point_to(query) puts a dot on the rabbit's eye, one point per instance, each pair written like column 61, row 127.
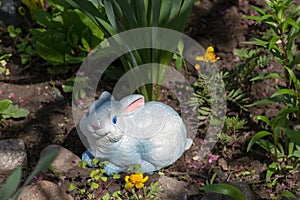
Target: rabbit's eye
column 114, row 119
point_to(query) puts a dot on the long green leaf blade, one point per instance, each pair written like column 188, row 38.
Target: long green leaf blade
column 43, row 164
column 257, row 137
column 225, row 189
column 11, row 184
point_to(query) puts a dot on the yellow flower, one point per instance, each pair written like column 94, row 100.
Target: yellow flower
column 209, row 55
column 136, row 180
column 197, row 67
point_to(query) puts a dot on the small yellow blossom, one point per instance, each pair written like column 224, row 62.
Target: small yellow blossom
column 7, row 72
column 209, row 55
column 136, row 180
column 197, row 67
column 3, row 63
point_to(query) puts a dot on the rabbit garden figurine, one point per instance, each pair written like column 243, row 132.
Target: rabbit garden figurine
column 129, row 132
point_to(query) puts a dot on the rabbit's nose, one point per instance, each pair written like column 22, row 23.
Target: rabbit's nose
column 96, row 127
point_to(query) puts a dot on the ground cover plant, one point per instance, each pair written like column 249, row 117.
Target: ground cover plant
column 255, row 44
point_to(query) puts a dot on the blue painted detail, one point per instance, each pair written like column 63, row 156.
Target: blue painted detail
column 114, row 120
column 88, row 158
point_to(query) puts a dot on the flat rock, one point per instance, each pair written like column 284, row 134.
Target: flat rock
column 65, row 160
column 172, row 188
column 12, row 155
column 43, row 190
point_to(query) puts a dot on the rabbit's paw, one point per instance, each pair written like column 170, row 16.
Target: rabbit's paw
column 88, row 158
column 147, row 167
column 111, row 169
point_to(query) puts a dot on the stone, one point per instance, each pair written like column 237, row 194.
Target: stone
column 43, row 190
column 172, row 188
column 65, row 160
column 12, row 155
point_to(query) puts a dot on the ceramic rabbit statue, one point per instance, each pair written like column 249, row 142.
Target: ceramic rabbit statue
column 129, row 131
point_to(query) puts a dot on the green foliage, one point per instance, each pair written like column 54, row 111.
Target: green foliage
column 65, row 37
column 203, row 99
column 96, row 185
column 9, row 110
column 9, row 190
column 281, row 137
column 232, row 124
column 96, row 178
column 3, row 62
column 153, row 191
column 125, row 15
column 212, row 179
column 226, row 189
column 23, row 45
column 13, row 32
column 249, row 60
column 80, row 93
column 178, row 57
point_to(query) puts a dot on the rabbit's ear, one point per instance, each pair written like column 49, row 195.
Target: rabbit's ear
column 105, row 96
column 133, row 103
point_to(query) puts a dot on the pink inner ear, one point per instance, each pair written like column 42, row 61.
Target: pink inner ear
column 135, row 105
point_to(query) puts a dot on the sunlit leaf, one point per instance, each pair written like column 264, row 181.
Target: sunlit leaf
column 264, row 119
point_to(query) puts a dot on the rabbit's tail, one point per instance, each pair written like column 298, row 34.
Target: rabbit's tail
column 188, row 143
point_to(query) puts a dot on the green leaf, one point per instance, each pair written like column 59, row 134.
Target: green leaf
column 43, row 18
column 72, row 187
column 255, row 18
column 271, row 170
column 93, row 13
column 293, row 135
column 94, row 186
column 265, row 144
column 267, row 101
column 19, row 113
column 284, row 92
column 4, row 105
column 116, row 176
column 178, row 63
column 11, row 184
column 289, row 195
column 2, row 70
column 94, row 173
column 67, row 88
column 52, row 48
column 43, row 164
column 294, row 12
column 257, row 42
column 225, row 189
column 264, row 119
column 296, row 154
column 291, row 22
column 257, row 137
column 273, row 41
column 96, row 31
column 104, row 178
column 259, row 10
column 265, row 76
